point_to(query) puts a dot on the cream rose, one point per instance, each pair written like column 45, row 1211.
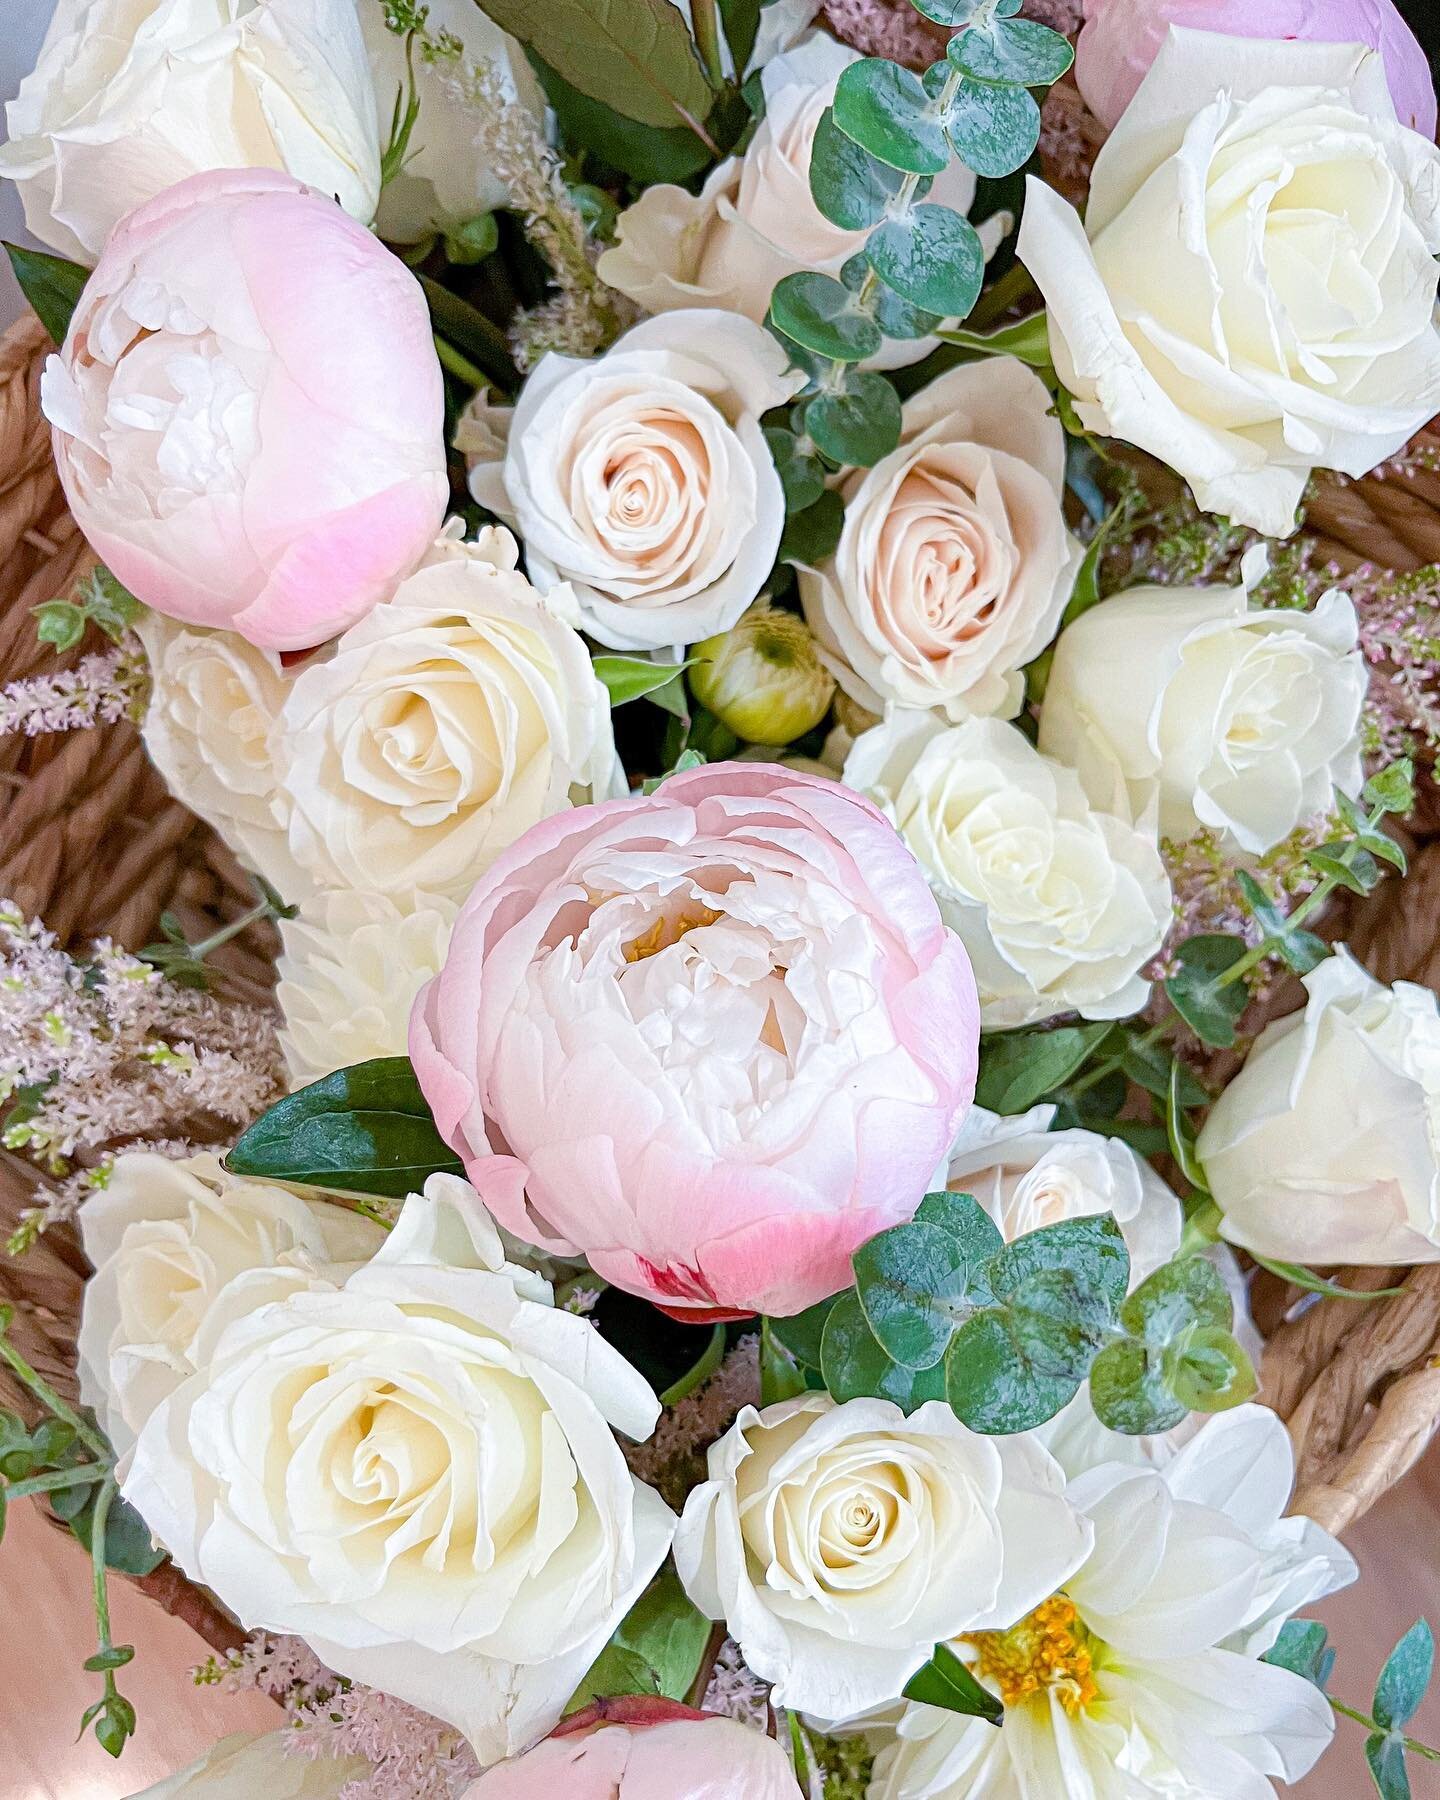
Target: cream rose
column 414, row 1469
column 754, row 221
column 840, row 1544
column 642, row 478
column 131, row 96
column 1213, row 711
column 243, row 1766
column 1060, row 906
column 165, row 1238
column 1027, row 1176
column 1324, row 1146
column 1255, row 298
column 955, row 562
column 213, row 703
column 350, row 966
column 441, row 727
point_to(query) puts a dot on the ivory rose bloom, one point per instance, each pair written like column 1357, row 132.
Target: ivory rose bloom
column 713, row 1038
column 214, row 700
column 248, row 410
column 165, row 1238
column 131, row 96
column 1324, row 1145
column 642, row 478
column 243, row 1766
column 754, row 221
column 955, row 562
column 1213, row 712
column 644, row 1749
column 1027, row 1176
column 1143, row 1677
column 1256, row 296
column 414, row 1469
column 349, row 968
column 1060, row 905
column 840, row 1544
column 1122, row 38
column 441, row 727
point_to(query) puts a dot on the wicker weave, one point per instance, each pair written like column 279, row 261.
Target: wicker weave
column 91, row 842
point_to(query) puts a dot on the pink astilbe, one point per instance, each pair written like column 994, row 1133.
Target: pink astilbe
column 673, row 1459
column 736, row 1692
column 102, row 688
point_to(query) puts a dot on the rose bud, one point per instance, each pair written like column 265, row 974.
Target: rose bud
column 764, row 679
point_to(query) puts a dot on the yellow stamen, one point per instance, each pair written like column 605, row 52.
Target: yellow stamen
column 668, row 929
column 1049, row 1650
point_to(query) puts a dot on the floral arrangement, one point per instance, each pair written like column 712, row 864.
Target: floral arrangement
column 768, row 669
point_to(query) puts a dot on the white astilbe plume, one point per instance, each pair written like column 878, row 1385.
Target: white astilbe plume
column 102, row 688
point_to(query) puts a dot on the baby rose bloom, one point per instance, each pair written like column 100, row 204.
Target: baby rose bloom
column 718, row 1033
column 1122, row 38
column 644, row 1749
column 248, row 410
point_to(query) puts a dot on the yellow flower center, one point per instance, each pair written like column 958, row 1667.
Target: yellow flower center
column 668, row 929
column 1049, row 1650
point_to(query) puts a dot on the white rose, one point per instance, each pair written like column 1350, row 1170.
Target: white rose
column 1323, row 1147
column 131, row 96
column 350, row 965
column 245, row 1765
column 1215, row 712
column 165, row 1238
column 414, row 1469
column 840, row 1544
column 954, row 563
column 1060, row 906
column 642, row 477
column 213, row 703
column 441, row 727
column 754, row 221
column 445, row 179
column 1255, row 299
column 1027, row 1176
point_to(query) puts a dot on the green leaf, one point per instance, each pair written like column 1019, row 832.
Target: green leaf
column 897, row 318
column 1091, row 1250
column 963, row 1218
column 51, row 285
column 781, row 1377
column 915, row 1283
column 467, row 328
column 656, row 1648
column 810, row 536
column 110, row 1732
column 945, row 1681
column 741, row 19
column 954, row 13
column 115, row 1657
column 1301, row 1277
column 60, row 623
column 801, row 475
column 1210, row 1011
column 851, row 189
column 1346, row 865
column 50, row 1440
column 1392, row 787
column 472, row 241
column 646, row 153
column 635, row 55
column 69, row 1503
column 1152, row 1067
column 802, row 1333
column 1405, row 1678
column 1300, row 950
column 699, row 1371
column 993, row 130
column 887, row 112
column 1011, row 50
column 990, row 1384
column 855, row 1364
column 1180, row 1135
column 820, row 314
column 1017, row 1068
column 1027, row 342
column 1128, row 1391
column 858, row 424
column 1178, row 1296
column 630, row 678
column 1386, row 1759
column 932, row 257
column 1207, row 1371
column 1301, row 1648
column 129, row 1549
column 366, row 1129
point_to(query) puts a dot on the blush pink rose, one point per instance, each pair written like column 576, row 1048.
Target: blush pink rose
column 713, row 1039
column 248, row 411
column 644, row 1749
column 1121, row 39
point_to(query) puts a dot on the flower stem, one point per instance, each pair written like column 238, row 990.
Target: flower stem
column 43, row 1392
column 459, row 366
column 706, row 24
column 263, row 909
column 1413, row 1745
column 84, row 1476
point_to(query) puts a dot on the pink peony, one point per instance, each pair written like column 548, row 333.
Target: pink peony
column 1122, row 37
column 644, row 1749
column 713, row 1039
column 248, row 410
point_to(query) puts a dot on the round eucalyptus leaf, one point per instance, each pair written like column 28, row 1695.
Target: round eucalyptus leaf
column 951, row 12
column 858, row 425
column 886, row 110
column 933, row 258
column 801, row 475
column 821, row 315
column 1012, row 51
column 1129, row 1393
column 810, row 536
column 897, row 318
column 846, row 182
column 993, row 130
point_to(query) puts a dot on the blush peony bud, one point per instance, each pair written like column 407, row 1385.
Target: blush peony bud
column 644, row 1749
column 764, row 679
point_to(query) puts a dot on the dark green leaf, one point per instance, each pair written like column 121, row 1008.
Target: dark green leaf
column 69, row 1503
column 699, row 1371
column 915, row 1283
column 820, row 314
column 656, row 1648
column 887, row 112
column 629, row 678
column 802, row 1333
column 993, row 130
column 781, row 1376
column 115, row 1657
column 1128, row 1391
column 128, row 1546
column 1007, row 50
column 812, row 535
column 1152, row 1067
column 897, row 318
column 646, row 153
column 1180, row 1135
column 932, row 257
column 1405, row 1678
column 366, row 1129
column 1091, row 1250
column 472, row 241
column 1207, row 1371
column 51, row 285
column 858, row 424
column 742, row 21
column 954, row 13
column 846, row 183
column 110, row 1732
column 467, row 328
column 962, row 1217
column 1017, row 1068
column 855, row 1365
column 50, row 1440
column 1386, row 1759
column 1346, row 865
column 1301, row 1648
column 991, row 1386
column 1179, row 1295
column 802, row 475
column 1209, row 1010
column 945, row 1681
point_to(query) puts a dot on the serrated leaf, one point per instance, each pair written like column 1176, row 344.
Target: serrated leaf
column 820, row 314
column 932, row 257
column 810, row 536
column 1011, row 50
column 990, row 1386
column 945, row 1681
column 1405, row 1677
column 628, row 678
column 1129, row 1394
column 856, row 425
column 1017, row 1068
column 51, row 284
column 848, row 185
column 887, row 112
column 855, row 1364
column 1210, row 1011
column 1207, row 1371
column 993, row 130
column 1181, row 1294
column 1385, row 1757
column 915, row 1282
column 635, row 55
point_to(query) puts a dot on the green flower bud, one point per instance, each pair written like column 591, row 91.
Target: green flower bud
column 763, row 678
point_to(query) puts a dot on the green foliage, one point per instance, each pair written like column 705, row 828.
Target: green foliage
column 821, row 315
column 1405, row 1678
column 1209, row 1006
column 1011, row 53
column 1302, row 1649
column 945, row 1681
column 98, row 599
column 857, row 422
column 994, row 130
column 51, row 284
column 1019, row 1068
column 810, row 536
column 850, row 188
column 931, row 257
column 887, row 112
column 854, row 1363
column 801, row 472
column 628, row 678
column 656, row 1649
column 646, row 153
column 367, row 1129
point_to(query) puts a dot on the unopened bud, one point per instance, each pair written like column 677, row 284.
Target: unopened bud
column 764, row 678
